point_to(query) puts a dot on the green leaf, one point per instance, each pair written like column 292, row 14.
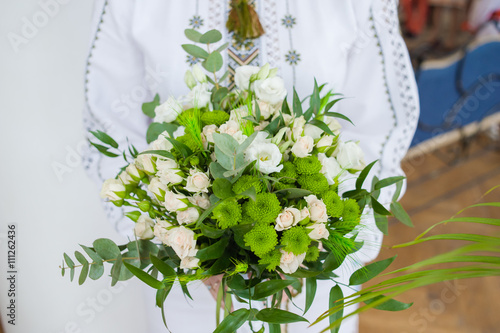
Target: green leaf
column 193, row 35
column 220, row 49
column 211, row 36
column 285, row 109
column 219, row 265
column 222, row 188
column 336, row 297
column 104, row 150
column 368, row 272
column 206, row 213
column 216, row 170
column 293, row 193
column 382, row 223
column 274, row 328
column 297, row 104
column 83, row 274
column 321, row 125
column 162, row 153
column 364, row 173
column 213, row 251
column 155, row 129
column 332, row 103
column 379, row 208
column 81, row 258
column 226, row 143
column 149, row 108
column 96, row 271
column 311, row 286
column 248, row 141
column 144, row 277
column 387, row 182
column 161, row 295
column 390, row 304
column 277, row 316
column 303, row 273
column 106, row 248
column 116, row 270
column 233, row 321
column 134, row 216
column 400, row 213
column 104, row 138
column 214, row 62
column 332, row 262
column 250, row 192
column 68, row 260
column 338, row 115
column 397, row 193
column 211, row 232
column 182, row 148
column 162, row 266
column 237, row 282
column 271, row 287
column 195, row 51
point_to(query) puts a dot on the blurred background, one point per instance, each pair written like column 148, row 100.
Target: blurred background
column 454, row 160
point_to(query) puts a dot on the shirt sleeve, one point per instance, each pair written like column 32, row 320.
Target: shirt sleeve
column 115, row 89
column 382, row 102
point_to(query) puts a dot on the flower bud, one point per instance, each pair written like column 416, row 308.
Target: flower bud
column 199, row 74
column 144, row 206
column 263, row 72
column 144, row 227
column 135, row 173
column 189, row 79
column 113, row 189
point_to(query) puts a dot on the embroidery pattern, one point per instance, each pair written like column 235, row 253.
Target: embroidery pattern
column 196, row 22
column 292, row 57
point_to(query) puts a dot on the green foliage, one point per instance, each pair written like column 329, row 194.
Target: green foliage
column 316, row 183
column 213, row 251
column 155, row 129
column 312, row 254
column 271, row 260
column 368, row 272
column 333, row 202
column 222, row 188
column 336, row 300
column 295, row 240
column 307, row 165
column 288, row 174
column 264, row 209
column 227, row 213
column 351, row 212
column 216, row 117
column 149, row 108
column 245, row 182
column 261, row 239
column 277, row 316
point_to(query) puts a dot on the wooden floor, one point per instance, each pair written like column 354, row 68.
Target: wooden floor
column 439, row 186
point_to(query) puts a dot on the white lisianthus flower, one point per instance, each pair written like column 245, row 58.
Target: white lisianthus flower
column 289, row 262
column 350, row 156
column 201, row 200
column 288, row 218
column 168, row 111
column 125, row 178
column 145, row 163
column 318, row 231
column 158, row 188
column 325, row 141
column 181, row 240
column 199, row 96
column 166, row 164
column 239, row 113
column 169, row 176
column 303, row 146
column 267, row 110
column 197, row 181
column 144, row 227
column 180, row 131
column 134, row 172
column 317, row 209
column 187, row 216
column 174, row 201
column 271, row 90
column 298, row 127
column 161, row 229
column 189, row 263
column 113, row 189
column 161, row 143
column 242, row 76
column 267, row 155
column 199, row 74
column 331, row 168
column 209, row 131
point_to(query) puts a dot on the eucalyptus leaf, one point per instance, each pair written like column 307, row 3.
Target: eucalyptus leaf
column 83, row 274
column 106, row 248
column 211, row 36
column 214, row 62
column 155, row 129
column 195, row 51
column 115, row 270
column 193, row 35
column 149, row 108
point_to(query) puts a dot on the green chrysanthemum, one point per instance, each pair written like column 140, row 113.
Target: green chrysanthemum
column 216, row 117
column 307, row 165
column 245, row 182
column 188, row 140
column 265, row 208
column 333, row 202
column 351, row 212
column 261, row 239
column 288, row 174
column 312, row 254
column 316, row 183
column 283, row 186
column 271, row 259
column 227, row 213
column 295, row 240
column 245, row 218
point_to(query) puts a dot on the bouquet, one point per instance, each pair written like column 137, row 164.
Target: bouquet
column 243, row 185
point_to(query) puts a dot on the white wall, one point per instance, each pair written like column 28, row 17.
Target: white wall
column 41, row 99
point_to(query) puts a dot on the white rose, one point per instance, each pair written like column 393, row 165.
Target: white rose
column 288, row 218
column 169, row 176
column 298, row 127
column 288, row 119
column 261, row 126
column 158, row 188
column 239, row 113
column 313, row 131
column 267, row 155
column 161, row 230
column 187, row 216
column 333, row 124
column 113, row 189
column 199, row 74
column 145, row 163
column 266, row 110
column 125, row 178
column 331, row 168
column 318, row 231
column 197, row 181
column 134, row 172
column 201, row 200
column 230, row 127
column 166, row 164
column 325, row 141
column 289, row 262
column 144, row 227
column 209, row 131
column 181, row 240
column 242, row 76
column 174, row 202
column 161, row 143
column 305, row 214
column 271, row 90
column 350, row 156
column 317, row 209
column 303, row 147
column 168, row 111
column 199, row 96
column 189, row 263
